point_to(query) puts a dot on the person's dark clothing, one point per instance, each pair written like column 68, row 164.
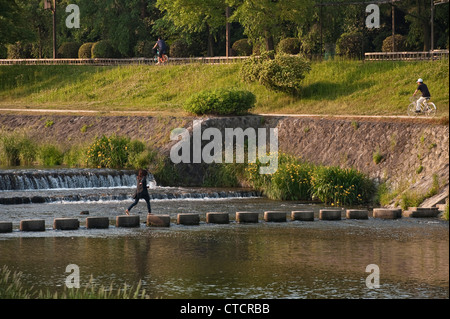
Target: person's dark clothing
column 161, row 47
column 141, row 192
column 424, row 89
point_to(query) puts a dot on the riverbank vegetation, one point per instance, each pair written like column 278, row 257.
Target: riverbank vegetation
column 12, row 286
column 333, row 87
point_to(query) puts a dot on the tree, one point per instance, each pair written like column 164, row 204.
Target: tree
column 265, row 19
column 196, row 16
column 13, row 25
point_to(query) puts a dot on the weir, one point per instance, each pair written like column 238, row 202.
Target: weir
column 13, row 180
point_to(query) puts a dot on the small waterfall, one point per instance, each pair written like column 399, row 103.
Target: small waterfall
column 21, row 180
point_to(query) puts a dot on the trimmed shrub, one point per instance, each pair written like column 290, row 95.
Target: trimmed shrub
column 220, row 102
column 400, row 43
column 289, row 46
column 242, row 47
column 84, row 52
column 179, row 49
column 102, row 49
column 68, row 50
column 349, row 44
column 19, row 50
column 251, row 68
column 284, row 73
column 144, row 49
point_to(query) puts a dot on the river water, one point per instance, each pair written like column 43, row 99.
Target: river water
column 294, row 259
column 319, row 259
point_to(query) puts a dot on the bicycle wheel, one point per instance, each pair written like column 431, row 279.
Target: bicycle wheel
column 431, row 109
column 412, row 109
column 165, row 58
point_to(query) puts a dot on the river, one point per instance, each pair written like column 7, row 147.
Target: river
column 290, row 260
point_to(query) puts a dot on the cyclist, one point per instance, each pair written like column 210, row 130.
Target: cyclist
column 161, row 44
column 422, row 87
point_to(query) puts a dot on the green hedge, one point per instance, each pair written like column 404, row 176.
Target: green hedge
column 68, row 50
column 220, row 102
column 103, row 49
column 242, row 47
column 349, row 44
column 84, row 52
column 289, row 46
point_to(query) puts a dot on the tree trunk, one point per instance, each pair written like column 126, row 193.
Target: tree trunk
column 210, row 44
column 268, row 38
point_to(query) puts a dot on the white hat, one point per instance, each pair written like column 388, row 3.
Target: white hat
column 420, row 80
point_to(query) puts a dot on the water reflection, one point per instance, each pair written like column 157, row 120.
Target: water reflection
column 320, row 259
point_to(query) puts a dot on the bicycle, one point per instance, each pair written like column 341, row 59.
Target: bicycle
column 428, row 110
column 164, row 58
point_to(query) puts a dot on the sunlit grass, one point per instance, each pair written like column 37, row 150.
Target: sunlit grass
column 336, row 87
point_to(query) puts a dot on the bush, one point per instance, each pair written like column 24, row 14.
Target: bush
column 68, row 50
column 337, row 186
column 400, row 43
column 144, row 49
column 284, row 73
column 50, row 155
column 251, row 68
column 102, row 49
column 220, row 102
column 349, row 44
column 108, row 152
column 289, row 46
column 179, row 49
column 84, row 52
column 19, row 50
column 16, row 149
column 242, row 47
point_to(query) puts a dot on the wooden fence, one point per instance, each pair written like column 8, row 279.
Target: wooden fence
column 406, row 56
column 147, row 61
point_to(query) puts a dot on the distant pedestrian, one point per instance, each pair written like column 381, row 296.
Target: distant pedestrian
column 141, row 191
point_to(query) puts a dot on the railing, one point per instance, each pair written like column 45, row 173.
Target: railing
column 406, row 56
column 204, row 60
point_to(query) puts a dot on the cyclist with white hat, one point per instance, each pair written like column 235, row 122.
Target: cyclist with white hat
column 422, row 87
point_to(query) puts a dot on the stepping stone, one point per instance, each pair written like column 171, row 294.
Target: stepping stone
column 421, row 212
column 217, row 218
column 387, row 213
column 188, row 219
column 330, row 214
column 357, row 214
column 247, row 217
column 158, row 220
column 66, row 223
column 97, row 222
column 32, row 225
column 274, row 216
column 303, row 215
column 6, row 227
column 127, row 221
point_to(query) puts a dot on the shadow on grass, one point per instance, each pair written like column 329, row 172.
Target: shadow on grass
column 324, row 90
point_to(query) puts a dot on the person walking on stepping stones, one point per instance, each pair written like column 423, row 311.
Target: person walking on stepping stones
column 141, row 191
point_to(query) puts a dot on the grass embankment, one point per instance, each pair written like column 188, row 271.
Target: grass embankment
column 336, row 87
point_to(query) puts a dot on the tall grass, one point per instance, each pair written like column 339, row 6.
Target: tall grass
column 332, row 87
column 12, row 287
column 297, row 180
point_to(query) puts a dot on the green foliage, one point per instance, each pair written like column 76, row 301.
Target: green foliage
column 338, row 186
column 279, row 72
column 220, row 101
column 242, row 48
column 285, row 73
column 289, row 46
column 108, row 152
column 179, row 49
column 12, row 287
column 144, row 49
column 50, row 155
column 349, row 44
column 297, row 180
column 68, row 50
column 85, row 50
column 19, row 50
column 102, row 49
column 17, row 149
column 377, row 156
column 400, row 43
